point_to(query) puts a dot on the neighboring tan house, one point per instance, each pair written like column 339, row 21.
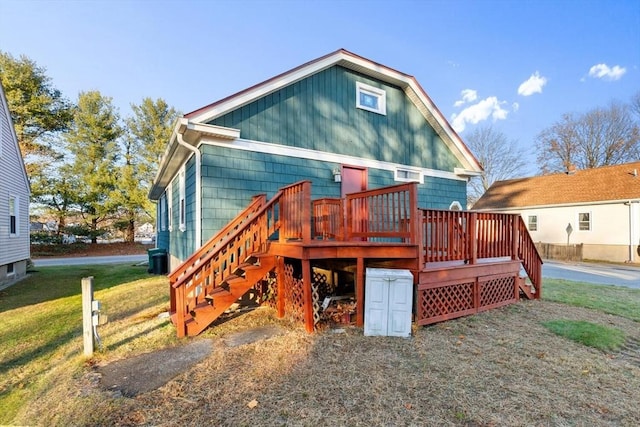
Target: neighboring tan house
column 14, row 202
column 341, row 121
column 598, row 208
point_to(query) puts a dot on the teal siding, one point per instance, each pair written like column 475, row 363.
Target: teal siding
column 230, row 178
column 319, row 113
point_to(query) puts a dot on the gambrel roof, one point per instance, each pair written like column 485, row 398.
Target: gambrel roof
column 617, row 183
column 195, row 123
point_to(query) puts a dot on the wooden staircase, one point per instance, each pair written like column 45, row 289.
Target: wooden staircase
column 232, row 288
column 234, row 260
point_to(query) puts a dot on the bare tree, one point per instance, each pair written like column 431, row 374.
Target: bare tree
column 500, row 158
column 600, row 137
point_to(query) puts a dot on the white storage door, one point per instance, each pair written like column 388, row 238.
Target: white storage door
column 388, row 302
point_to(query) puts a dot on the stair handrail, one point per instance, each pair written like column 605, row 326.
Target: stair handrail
column 529, row 256
column 180, row 302
column 217, row 239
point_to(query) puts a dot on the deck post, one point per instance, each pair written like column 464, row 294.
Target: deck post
column 360, row 292
column 280, row 285
column 306, row 211
column 181, row 328
column 516, row 237
column 306, row 295
column 472, row 239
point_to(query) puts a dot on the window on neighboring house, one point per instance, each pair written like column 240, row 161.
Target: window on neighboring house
column 170, row 206
column 13, row 216
column 10, row 269
column 532, row 223
column 584, row 221
column 371, row 98
column 162, row 213
column 408, row 175
column 183, row 222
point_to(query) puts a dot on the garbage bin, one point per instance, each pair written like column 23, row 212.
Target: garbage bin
column 152, row 253
column 160, row 263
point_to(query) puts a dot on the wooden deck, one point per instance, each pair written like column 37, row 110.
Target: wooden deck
column 462, row 262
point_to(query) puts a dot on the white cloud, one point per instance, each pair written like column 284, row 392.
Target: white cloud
column 468, row 95
column 534, row 84
column 489, row 107
column 602, row 71
column 515, row 106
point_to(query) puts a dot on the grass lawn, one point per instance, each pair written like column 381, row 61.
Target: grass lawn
column 501, row 367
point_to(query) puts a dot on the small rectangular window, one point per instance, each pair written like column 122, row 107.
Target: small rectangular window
column 408, row 175
column 584, row 221
column 10, row 269
column 162, row 213
column 371, row 98
column 182, row 207
column 13, row 215
column 532, row 223
column 170, row 206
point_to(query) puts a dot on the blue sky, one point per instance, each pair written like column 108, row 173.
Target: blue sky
column 518, row 65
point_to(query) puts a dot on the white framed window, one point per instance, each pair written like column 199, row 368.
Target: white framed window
column 14, row 209
column 170, row 206
column 10, row 269
column 371, row 98
column 584, row 221
column 408, row 175
column 183, row 213
column 162, row 213
column 532, row 222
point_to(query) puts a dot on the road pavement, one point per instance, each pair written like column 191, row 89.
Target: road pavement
column 603, row 274
column 88, row 260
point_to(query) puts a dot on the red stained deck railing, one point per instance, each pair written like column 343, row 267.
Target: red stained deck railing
column 384, row 214
column 328, row 219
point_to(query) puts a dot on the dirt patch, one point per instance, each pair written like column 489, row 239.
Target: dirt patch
column 149, row 371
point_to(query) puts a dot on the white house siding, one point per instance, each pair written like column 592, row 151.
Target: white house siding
column 614, row 234
column 14, row 249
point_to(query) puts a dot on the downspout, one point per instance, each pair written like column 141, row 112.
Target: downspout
column 198, row 158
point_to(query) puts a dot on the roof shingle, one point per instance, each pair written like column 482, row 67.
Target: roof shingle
column 617, row 182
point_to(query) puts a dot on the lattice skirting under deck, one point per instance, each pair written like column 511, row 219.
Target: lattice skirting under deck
column 437, row 302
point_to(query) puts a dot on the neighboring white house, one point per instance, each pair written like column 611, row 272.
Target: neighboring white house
column 14, row 202
column 599, row 208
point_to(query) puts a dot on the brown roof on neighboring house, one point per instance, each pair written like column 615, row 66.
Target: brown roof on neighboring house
column 618, row 182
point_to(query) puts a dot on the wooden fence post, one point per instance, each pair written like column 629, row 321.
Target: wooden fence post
column 87, row 315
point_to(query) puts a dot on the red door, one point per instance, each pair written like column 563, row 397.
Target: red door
column 354, row 179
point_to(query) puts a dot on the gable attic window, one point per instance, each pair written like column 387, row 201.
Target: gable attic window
column 13, row 216
column 371, row 98
column 183, row 222
column 408, row 175
column 584, row 221
column 532, row 222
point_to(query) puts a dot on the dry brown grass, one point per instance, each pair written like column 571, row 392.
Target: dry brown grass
column 497, row 368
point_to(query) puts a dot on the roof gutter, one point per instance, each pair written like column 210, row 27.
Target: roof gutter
column 198, row 159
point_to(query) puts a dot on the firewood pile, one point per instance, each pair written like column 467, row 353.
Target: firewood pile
column 342, row 311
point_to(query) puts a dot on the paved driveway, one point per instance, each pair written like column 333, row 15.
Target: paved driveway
column 605, row 274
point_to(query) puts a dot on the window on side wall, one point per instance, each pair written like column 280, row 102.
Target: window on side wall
column 584, row 221
column 371, row 98
column 170, row 206
column 532, row 222
column 162, row 212
column 183, row 222
column 13, row 216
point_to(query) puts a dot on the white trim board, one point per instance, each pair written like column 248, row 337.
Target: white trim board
column 305, row 153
